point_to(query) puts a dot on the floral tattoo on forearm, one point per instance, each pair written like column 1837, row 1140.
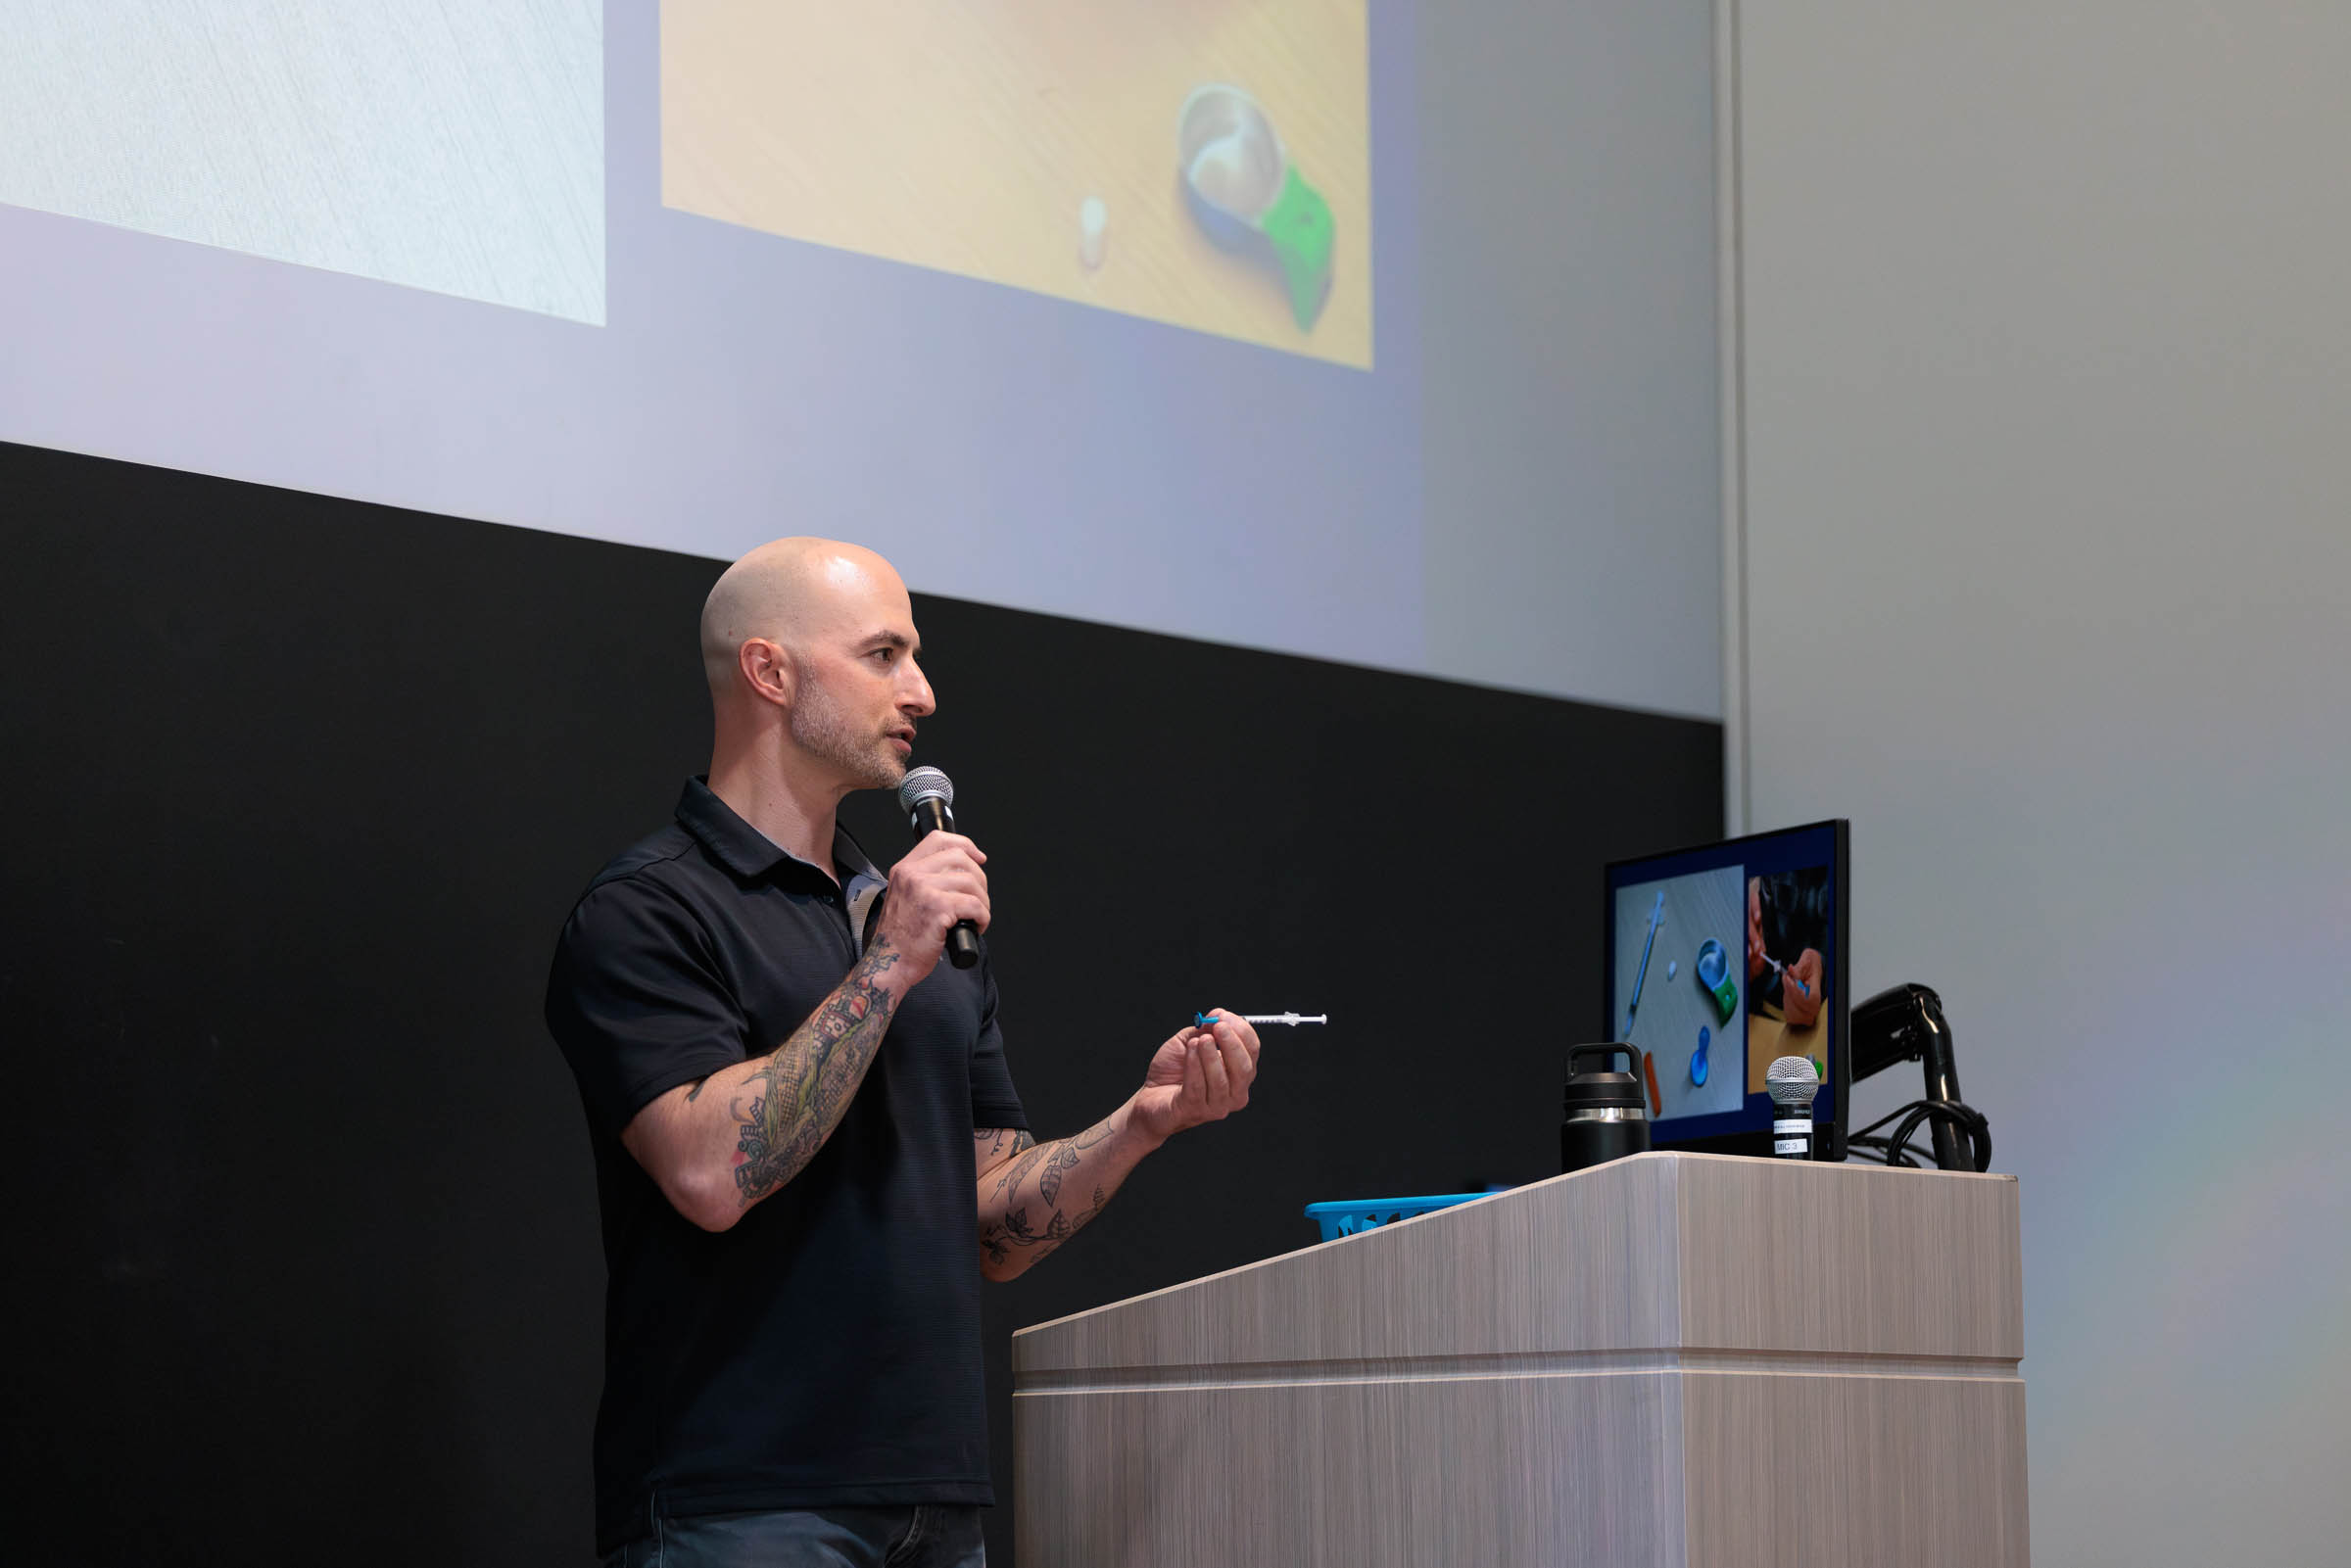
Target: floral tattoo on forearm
column 799, row 1093
column 1007, row 1223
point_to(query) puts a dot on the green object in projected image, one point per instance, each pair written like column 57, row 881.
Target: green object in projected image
column 963, row 135
column 1249, row 198
column 1715, row 976
column 1300, row 229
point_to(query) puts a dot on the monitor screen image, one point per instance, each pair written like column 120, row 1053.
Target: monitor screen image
column 1721, row 959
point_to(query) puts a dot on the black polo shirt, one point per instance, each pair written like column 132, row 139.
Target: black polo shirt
column 825, row 1351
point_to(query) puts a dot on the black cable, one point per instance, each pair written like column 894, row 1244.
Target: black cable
column 1898, row 1149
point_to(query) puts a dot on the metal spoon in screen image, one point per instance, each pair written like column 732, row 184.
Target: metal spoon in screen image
column 1246, row 195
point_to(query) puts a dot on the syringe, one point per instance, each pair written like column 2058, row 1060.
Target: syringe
column 1781, row 970
column 1203, row 1020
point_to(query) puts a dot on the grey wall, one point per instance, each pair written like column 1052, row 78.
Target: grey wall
column 2049, row 588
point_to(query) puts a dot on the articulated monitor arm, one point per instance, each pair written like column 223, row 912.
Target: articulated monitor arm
column 1906, row 1025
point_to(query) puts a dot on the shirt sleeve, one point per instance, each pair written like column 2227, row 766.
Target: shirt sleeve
column 994, row 1101
column 637, row 1002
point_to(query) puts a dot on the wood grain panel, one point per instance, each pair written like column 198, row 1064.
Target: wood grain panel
column 1787, row 1255
column 1674, row 1359
column 1823, row 1472
column 1534, row 1470
column 1704, row 1251
column 1585, row 1262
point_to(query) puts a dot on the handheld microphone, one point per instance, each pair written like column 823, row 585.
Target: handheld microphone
column 1792, row 1081
column 925, row 795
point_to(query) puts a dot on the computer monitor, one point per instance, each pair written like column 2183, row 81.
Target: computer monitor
column 1719, row 960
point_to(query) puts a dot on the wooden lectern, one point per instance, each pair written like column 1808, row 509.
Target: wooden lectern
column 1684, row 1359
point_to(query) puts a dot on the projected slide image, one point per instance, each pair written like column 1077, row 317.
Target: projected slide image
column 1678, row 991
column 1786, row 933
column 1204, row 164
column 453, row 147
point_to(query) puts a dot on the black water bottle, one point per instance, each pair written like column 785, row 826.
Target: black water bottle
column 1605, row 1114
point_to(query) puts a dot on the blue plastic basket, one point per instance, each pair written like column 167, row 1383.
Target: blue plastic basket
column 1347, row 1218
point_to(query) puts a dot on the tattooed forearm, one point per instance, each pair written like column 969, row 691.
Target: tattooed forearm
column 991, row 1145
column 1032, row 1204
column 789, row 1105
column 1013, row 1231
column 1058, row 1163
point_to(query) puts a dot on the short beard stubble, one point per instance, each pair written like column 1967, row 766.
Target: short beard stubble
column 819, row 728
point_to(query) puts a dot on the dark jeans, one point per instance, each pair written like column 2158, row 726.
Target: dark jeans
column 931, row 1535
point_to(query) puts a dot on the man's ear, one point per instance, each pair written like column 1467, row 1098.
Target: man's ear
column 767, row 669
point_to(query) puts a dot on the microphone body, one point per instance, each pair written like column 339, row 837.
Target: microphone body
column 929, row 801
column 1793, row 1082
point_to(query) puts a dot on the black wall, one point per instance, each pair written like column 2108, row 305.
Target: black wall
column 297, row 792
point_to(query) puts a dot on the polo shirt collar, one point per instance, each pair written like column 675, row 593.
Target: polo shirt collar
column 746, row 851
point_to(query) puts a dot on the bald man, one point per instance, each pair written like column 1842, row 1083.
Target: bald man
column 808, row 1147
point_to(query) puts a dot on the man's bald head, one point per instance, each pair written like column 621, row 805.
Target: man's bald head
column 790, row 591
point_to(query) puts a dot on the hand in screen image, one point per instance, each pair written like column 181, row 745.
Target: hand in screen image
column 1787, row 922
column 1800, row 999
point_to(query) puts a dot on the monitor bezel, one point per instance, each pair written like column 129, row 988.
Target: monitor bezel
column 1753, row 1137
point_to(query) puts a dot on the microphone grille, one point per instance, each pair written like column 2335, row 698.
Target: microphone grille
column 1793, row 1080
column 925, row 784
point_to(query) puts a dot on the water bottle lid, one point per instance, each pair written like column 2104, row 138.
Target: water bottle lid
column 1607, row 1089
